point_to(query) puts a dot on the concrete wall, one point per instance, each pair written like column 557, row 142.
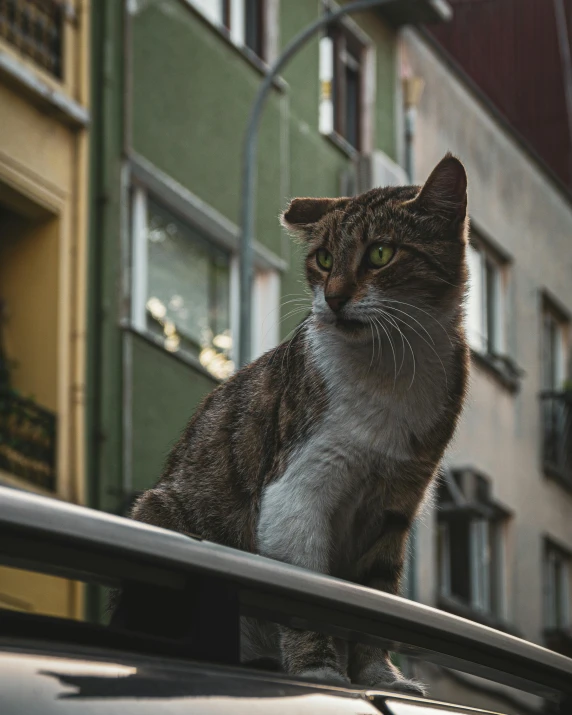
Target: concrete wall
column 514, row 204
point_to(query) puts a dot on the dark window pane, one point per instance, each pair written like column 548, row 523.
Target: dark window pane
column 253, row 38
column 459, row 540
column 492, row 298
column 36, row 30
column 352, row 106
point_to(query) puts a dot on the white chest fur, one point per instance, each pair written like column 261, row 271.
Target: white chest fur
column 368, row 419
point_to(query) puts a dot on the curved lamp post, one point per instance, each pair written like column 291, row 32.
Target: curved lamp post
column 249, row 161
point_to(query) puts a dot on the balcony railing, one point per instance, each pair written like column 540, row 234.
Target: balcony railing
column 27, row 440
column 557, row 434
column 36, row 29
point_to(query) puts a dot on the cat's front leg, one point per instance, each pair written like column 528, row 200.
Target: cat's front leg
column 373, row 668
column 294, row 527
column 313, row 656
column 381, row 568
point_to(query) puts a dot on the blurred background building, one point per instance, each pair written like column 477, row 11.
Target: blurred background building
column 124, row 288
column 44, row 147
column 496, row 545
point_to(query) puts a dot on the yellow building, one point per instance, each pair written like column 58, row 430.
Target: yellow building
column 44, row 118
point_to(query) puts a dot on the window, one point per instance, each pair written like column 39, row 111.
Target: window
column 29, row 254
column 344, row 104
column 554, row 348
column 471, row 547
column 556, row 588
column 486, row 300
column 244, row 20
column 556, row 397
column 185, row 289
column 36, row 30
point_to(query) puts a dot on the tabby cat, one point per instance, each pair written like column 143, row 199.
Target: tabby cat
column 321, row 452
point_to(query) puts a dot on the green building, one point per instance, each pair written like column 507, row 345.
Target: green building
column 173, row 82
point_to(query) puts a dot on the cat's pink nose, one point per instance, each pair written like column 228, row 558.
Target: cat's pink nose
column 337, row 302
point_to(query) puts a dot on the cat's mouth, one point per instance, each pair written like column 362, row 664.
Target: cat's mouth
column 350, row 324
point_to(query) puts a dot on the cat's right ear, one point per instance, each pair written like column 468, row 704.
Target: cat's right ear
column 302, row 214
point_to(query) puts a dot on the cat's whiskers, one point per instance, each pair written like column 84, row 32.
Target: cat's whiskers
column 287, row 351
column 453, row 285
column 394, row 324
column 416, row 307
column 424, row 340
column 370, row 321
column 392, row 350
column 299, row 309
column 388, row 307
column 386, row 316
column 378, row 339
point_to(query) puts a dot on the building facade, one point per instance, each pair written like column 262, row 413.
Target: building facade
column 496, row 544
column 44, row 117
column 173, row 86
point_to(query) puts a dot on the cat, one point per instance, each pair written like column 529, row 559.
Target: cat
column 321, row 452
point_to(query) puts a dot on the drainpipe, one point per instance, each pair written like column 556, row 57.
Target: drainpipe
column 249, row 161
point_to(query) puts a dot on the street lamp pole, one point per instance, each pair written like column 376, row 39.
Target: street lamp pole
column 249, row 163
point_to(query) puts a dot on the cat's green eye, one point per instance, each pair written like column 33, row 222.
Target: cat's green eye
column 324, row 259
column 379, row 255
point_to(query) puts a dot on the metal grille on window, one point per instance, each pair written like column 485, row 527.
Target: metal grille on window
column 35, row 28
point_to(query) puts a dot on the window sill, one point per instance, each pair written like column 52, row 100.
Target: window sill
column 185, row 358
column 502, row 368
column 10, row 480
column 63, row 107
column 458, row 608
column 247, row 54
column 341, row 144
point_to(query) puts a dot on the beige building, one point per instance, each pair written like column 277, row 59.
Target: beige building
column 496, row 546
column 44, row 98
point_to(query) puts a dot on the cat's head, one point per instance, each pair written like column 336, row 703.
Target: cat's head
column 388, row 246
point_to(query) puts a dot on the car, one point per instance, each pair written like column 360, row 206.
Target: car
column 177, row 651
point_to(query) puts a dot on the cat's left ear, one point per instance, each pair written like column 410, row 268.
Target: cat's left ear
column 302, row 214
column 445, row 191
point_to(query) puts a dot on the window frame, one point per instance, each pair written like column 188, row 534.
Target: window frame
column 552, row 553
column 487, row 541
column 73, row 32
column 231, row 19
column 561, row 365
column 487, row 331
column 344, row 44
column 266, row 284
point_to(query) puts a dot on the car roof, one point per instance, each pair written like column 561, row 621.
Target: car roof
column 54, row 679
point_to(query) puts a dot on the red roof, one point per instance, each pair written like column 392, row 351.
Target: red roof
column 509, row 48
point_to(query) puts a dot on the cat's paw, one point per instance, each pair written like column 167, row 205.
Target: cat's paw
column 326, row 675
column 403, row 685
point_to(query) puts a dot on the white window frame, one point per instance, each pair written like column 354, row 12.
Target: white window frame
column 480, row 260
column 212, row 10
column 326, row 71
column 266, row 284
